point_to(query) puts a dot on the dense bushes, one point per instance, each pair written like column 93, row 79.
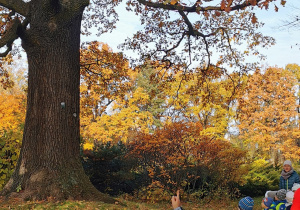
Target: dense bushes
column 262, row 176
column 109, row 170
column 155, row 165
column 10, row 144
column 178, row 157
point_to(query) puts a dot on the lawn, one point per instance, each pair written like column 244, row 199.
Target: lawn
column 125, row 205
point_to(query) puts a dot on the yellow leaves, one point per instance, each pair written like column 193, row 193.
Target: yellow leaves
column 105, row 47
column 118, row 126
column 12, row 111
column 173, row 2
column 12, row 117
column 88, row 146
column 139, row 96
column 105, row 76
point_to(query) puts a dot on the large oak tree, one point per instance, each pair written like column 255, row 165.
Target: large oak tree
column 49, row 163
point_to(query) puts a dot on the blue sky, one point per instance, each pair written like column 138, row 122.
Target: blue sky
column 282, row 53
column 285, row 50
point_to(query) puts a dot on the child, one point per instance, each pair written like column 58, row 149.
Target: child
column 295, row 187
column 289, row 200
column 246, row 203
column 267, row 202
column 279, row 201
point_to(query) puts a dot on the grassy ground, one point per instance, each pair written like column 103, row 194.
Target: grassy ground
column 124, row 205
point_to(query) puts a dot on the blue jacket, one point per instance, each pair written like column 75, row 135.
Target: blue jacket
column 278, row 205
column 288, row 183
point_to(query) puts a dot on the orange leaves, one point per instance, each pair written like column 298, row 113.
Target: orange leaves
column 226, row 5
column 176, row 154
column 268, row 113
column 217, row 13
column 173, row 2
column 254, row 19
column 252, row 2
column 104, row 76
column 223, row 5
column 160, row 24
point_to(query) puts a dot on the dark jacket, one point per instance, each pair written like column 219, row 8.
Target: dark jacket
column 278, row 205
column 288, row 183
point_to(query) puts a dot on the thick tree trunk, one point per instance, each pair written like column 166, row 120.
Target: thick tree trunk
column 49, row 165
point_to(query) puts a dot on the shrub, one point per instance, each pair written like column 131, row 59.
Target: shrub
column 262, row 176
column 109, row 170
column 10, row 144
column 177, row 156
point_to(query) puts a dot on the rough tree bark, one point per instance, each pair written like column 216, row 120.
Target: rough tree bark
column 49, row 165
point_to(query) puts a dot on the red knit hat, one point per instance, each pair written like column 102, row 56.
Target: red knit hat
column 296, row 201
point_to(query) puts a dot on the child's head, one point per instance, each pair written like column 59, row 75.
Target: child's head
column 246, row 203
column 266, row 202
column 280, row 195
column 295, row 187
column 289, row 196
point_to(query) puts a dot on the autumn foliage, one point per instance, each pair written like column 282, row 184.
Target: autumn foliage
column 155, row 129
column 268, row 121
column 178, row 157
column 12, row 116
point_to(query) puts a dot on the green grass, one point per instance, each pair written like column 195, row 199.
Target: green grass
column 125, row 205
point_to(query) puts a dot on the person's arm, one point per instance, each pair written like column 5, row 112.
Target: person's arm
column 176, row 204
column 297, row 180
column 281, row 183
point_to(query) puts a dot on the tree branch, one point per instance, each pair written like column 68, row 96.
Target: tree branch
column 16, row 5
column 65, row 10
column 195, row 8
column 9, row 48
column 10, row 35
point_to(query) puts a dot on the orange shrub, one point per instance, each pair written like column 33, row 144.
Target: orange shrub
column 176, row 156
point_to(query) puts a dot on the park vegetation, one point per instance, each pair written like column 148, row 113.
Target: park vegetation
column 148, row 131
